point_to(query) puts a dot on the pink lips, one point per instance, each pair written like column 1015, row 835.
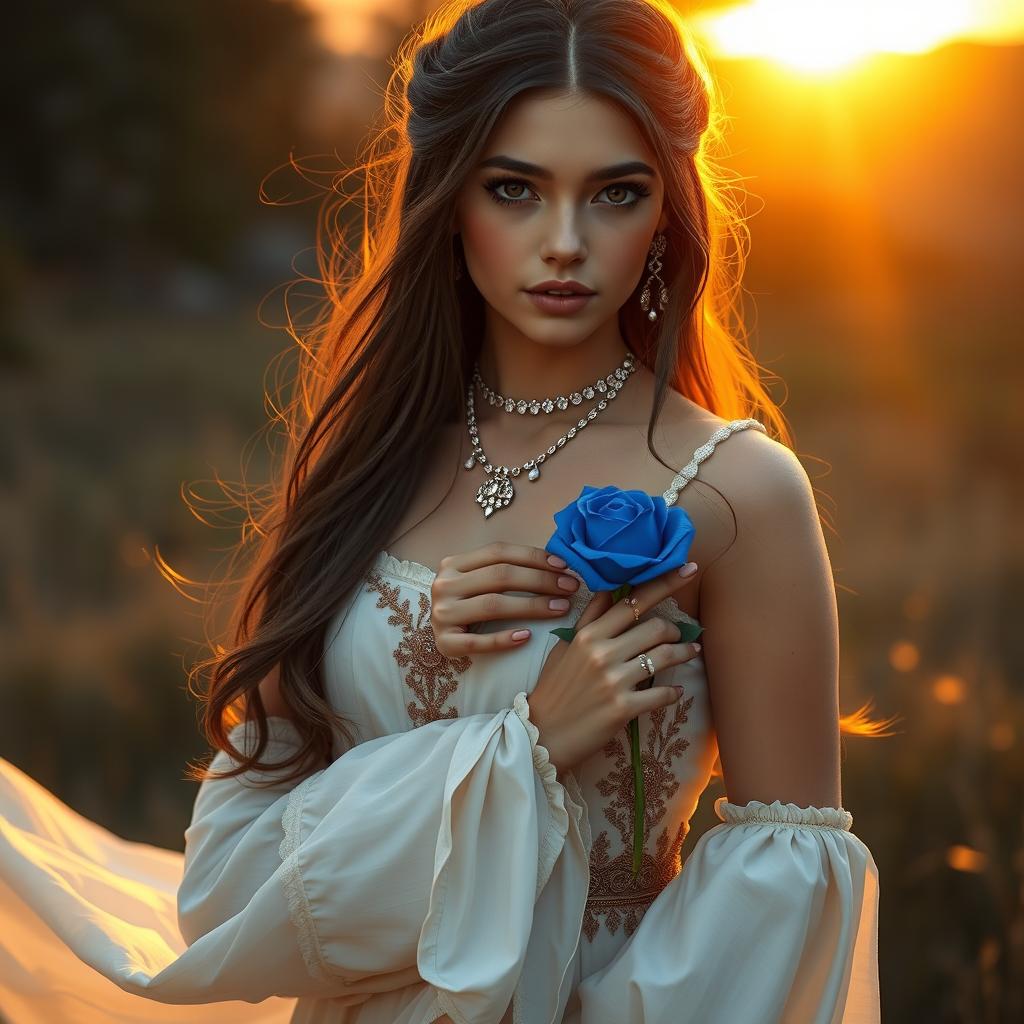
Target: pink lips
column 562, row 286
column 559, row 305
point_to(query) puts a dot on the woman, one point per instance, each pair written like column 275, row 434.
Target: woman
column 421, row 804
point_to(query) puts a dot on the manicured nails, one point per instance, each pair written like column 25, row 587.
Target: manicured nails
column 687, row 570
column 558, row 563
column 520, row 635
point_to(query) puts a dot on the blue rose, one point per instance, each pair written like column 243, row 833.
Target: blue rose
column 611, row 537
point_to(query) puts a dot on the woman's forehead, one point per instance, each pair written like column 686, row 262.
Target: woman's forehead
column 571, row 136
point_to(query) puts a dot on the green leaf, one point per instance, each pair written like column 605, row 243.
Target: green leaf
column 566, row 633
column 689, row 631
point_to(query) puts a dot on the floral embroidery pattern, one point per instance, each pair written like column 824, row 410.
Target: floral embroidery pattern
column 432, row 677
column 614, row 894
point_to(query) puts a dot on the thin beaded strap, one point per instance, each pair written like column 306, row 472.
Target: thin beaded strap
column 689, row 471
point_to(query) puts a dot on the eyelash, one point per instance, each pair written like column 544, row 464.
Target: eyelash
column 638, row 187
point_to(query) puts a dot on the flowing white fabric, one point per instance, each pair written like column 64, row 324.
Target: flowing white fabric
column 773, row 918
column 417, row 857
column 440, row 867
column 77, row 902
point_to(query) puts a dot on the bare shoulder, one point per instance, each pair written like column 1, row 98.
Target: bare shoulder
column 751, row 483
column 755, row 469
column 771, row 498
column 747, row 460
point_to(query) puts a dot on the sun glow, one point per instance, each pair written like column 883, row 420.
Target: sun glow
column 819, row 36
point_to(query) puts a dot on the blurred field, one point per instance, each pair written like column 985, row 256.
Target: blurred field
column 884, row 284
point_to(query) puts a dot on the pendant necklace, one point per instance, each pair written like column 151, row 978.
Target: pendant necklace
column 497, row 490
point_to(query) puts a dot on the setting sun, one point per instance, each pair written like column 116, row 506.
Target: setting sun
column 820, row 36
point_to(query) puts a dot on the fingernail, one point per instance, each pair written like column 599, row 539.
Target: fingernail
column 520, row 634
column 687, row 570
column 558, row 563
column 558, row 604
column 696, row 648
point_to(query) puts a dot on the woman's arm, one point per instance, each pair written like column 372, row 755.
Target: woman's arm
column 773, row 917
column 771, row 636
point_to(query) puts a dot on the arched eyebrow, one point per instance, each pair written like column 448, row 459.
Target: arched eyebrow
column 508, row 163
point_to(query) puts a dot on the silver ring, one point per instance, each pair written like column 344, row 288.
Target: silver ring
column 647, row 663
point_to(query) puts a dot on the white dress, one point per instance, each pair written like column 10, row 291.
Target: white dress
column 439, row 866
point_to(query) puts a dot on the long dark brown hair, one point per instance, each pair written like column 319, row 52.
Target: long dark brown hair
column 383, row 366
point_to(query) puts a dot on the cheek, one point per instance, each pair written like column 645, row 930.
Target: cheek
column 495, row 255
column 493, row 243
column 625, row 258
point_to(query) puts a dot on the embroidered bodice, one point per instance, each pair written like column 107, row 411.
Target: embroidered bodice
column 384, row 672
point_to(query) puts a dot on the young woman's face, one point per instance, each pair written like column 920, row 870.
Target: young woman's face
column 523, row 226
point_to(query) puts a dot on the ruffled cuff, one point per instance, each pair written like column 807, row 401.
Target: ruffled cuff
column 541, row 760
column 786, row 895
column 784, row 814
column 563, row 798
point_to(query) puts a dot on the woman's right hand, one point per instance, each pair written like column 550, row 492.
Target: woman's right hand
column 586, row 692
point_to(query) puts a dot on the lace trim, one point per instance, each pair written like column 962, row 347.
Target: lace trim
column 404, row 569
column 784, row 814
column 295, row 893
column 689, row 471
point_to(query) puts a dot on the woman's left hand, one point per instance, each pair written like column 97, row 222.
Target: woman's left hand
column 469, row 588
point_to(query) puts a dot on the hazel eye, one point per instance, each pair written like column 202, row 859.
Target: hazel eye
column 639, row 190
column 515, row 185
column 620, row 189
column 494, row 184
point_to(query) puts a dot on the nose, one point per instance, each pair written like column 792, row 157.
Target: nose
column 563, row 241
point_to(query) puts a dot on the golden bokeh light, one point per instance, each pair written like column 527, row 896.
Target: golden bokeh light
column 949, row 689
column 966, row 858
column 904, row 656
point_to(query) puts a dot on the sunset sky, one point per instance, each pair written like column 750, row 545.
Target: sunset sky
column 819, row 36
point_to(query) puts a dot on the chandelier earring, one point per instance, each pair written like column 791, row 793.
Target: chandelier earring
column 656, row 251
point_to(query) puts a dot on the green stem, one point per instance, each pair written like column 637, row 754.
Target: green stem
column 568, row 633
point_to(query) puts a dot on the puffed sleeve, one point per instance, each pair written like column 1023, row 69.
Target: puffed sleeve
column 420, row 855
column 773, row 918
